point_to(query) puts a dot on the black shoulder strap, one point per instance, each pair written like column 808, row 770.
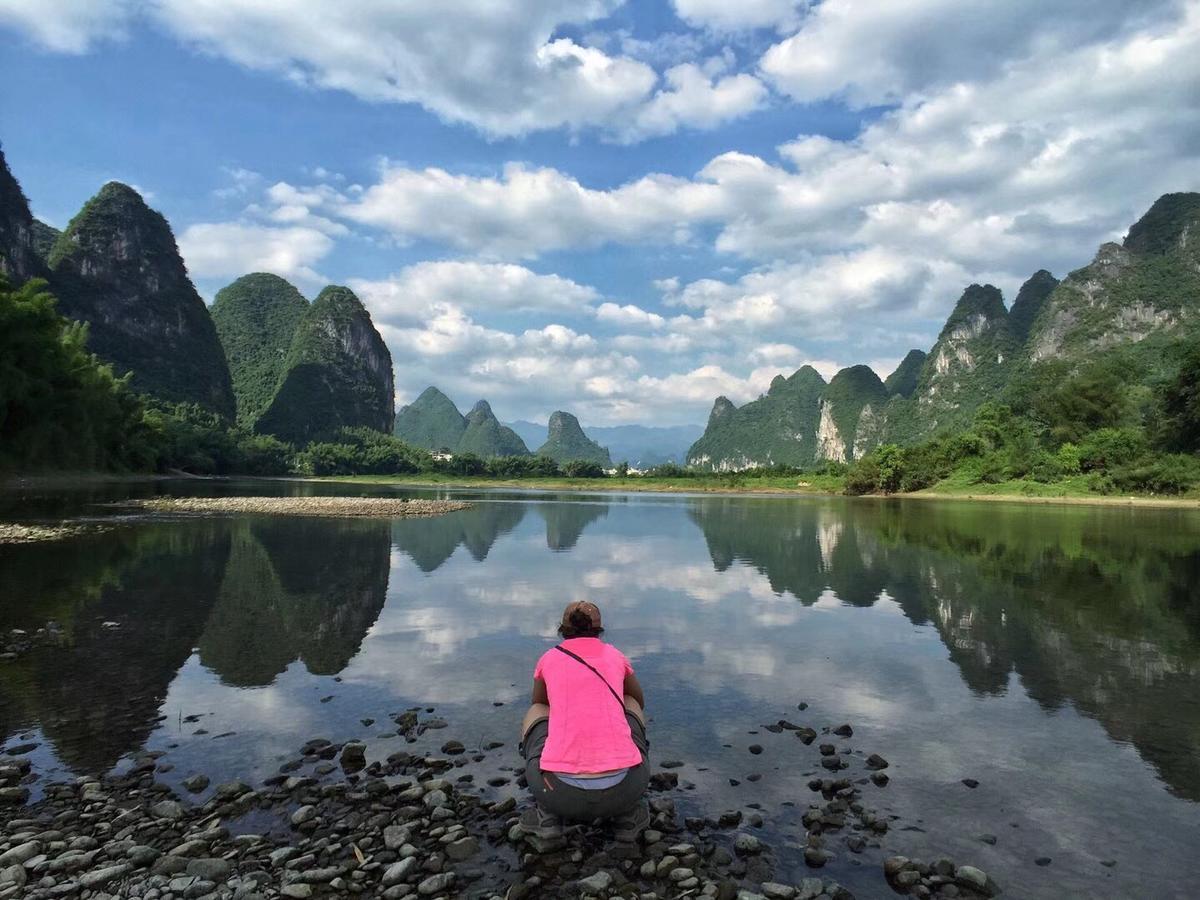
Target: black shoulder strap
column 580, row 659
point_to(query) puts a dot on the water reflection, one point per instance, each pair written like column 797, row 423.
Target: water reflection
column 430, row 542
column 984, row 640
column 97, row 695
column 1098, row 608
column 281, row 601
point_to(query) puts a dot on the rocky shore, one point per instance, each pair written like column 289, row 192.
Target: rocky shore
column 31, row 534
column 415, row 825
column 382, row 507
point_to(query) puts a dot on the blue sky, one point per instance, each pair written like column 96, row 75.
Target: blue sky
column 620, row 209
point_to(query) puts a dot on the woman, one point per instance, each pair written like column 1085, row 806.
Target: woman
column 584, row 738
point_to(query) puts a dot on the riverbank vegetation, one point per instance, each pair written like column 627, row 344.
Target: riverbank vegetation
column 1057, row 432
column 1093, row 431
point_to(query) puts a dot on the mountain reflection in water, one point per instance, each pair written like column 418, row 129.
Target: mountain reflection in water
column 723, row 602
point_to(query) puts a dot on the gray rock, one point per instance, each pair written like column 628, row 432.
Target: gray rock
column 103, row 876
column 14, row 874
column 320, row 876
column 142, row 856
column 169, row 865
column 809, row 889
column 196, row 783
column 971, row 877
column 230, row 790
column 462, row 849
column 435, row 884
column 597, row 882
column 210, row 869
column 400, row 871
column 297, row 891
column 875, row 761
column 774, row 891
column 167, row 809
column 816, row 857
column 20, row 853
column 747, row 844
column 893, row 865
column 304, row 814
column 395, row 837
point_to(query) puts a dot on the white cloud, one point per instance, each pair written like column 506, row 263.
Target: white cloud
column 67, row 26
column 882, row 51
column 498, row 65
column 418, row 290
column 231, row 249
column 628, row 315
column 694, row 98
column 526, row 211
column 723, row 15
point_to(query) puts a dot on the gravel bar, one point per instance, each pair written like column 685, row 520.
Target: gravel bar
column 375, row 507
column 31, row 534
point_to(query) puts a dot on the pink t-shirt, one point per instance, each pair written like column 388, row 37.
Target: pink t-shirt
column 588, row 729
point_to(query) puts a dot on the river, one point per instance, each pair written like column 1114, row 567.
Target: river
column 1050, row 653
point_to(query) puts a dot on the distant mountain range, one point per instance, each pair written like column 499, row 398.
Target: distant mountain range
column 1137, row 298
column 433, row 421
column 639, row 445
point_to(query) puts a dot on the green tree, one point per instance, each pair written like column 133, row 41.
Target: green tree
column 60, row 407
column 1180, row 400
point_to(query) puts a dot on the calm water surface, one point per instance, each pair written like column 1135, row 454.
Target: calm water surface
column 1051, row 653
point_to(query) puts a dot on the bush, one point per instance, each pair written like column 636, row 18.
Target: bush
column 672, row 470
column 1175, row 474
column 1046, row 468
column 262, row 454
column 1068, row 459
column 863, row 477
column 522, row 467
column 1110, row 448
column 581, row 468
column 464, row 464
column 361, row 451
column 890, row 460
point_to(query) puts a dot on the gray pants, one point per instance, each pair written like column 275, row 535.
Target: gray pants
column 574, row 804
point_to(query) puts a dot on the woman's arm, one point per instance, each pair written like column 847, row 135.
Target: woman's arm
column 539, row 692
column 633, row 689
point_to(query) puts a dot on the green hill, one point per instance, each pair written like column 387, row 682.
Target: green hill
column 779, row 428
column 1030, row 299
column 256, row 319
column 18, row 255
column 903, row 381
column 116, row 267
column 851, row 414
column 337, row 374
column 566, row 441
column 431, row 421
column 1136, row 296
column 485, row 436
column 44, row 238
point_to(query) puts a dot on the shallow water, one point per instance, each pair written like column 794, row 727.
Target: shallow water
column 1051, row 653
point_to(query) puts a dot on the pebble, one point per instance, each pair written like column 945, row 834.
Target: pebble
column 596, row 882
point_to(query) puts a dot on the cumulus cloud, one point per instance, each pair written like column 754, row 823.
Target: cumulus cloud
column 881, row 51
column 501, row 66
column 231, row 249
column 416, row 291
column 722, row 15
column 629, row 315
column 694, row 98
column 67, row 26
